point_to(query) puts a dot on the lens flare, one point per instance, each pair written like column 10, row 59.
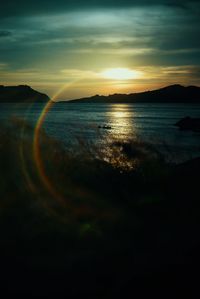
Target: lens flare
column 37, row 148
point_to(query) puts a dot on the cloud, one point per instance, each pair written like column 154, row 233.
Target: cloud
column 3, row 66
column 46, row 7
column 5, row 33
column 38, row 39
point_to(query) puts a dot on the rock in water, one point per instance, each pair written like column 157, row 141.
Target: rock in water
column 188, row 123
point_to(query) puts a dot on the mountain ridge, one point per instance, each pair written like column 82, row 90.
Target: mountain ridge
column 175, row 93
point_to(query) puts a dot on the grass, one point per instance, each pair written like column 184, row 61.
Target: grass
column 118, row 216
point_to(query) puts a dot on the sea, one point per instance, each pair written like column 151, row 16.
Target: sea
column 96, row 123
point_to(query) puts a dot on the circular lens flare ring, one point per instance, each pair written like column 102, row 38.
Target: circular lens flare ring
column 37, row 147
column 37, row 154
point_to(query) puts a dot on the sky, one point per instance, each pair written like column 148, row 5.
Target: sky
column 72, row 49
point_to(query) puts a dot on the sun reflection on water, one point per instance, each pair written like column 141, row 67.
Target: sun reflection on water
column 121, row 118
column 123, row 133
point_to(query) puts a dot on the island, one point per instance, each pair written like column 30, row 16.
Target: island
column 21, row 93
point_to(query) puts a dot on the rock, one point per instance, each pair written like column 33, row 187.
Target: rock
column 188, row 123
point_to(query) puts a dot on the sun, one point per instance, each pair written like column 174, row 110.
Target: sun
column 120, row 74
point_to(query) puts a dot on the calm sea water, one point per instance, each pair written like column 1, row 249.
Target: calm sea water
column 149, row 122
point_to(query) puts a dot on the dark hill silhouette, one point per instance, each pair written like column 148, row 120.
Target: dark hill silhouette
column 170, row 94
column 21, row 93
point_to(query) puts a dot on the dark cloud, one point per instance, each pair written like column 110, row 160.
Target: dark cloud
column 5, row 33
column 31, row 7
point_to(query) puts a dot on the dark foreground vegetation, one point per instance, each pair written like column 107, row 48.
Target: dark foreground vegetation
column 116, row 223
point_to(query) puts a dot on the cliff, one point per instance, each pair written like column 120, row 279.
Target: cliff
column 21, row 93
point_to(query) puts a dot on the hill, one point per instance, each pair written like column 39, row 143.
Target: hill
column 21, row 93
column 170, row 94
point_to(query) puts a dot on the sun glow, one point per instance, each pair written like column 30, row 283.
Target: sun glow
column 120, row 74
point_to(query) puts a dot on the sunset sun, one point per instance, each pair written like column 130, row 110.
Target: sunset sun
column 120, row 74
